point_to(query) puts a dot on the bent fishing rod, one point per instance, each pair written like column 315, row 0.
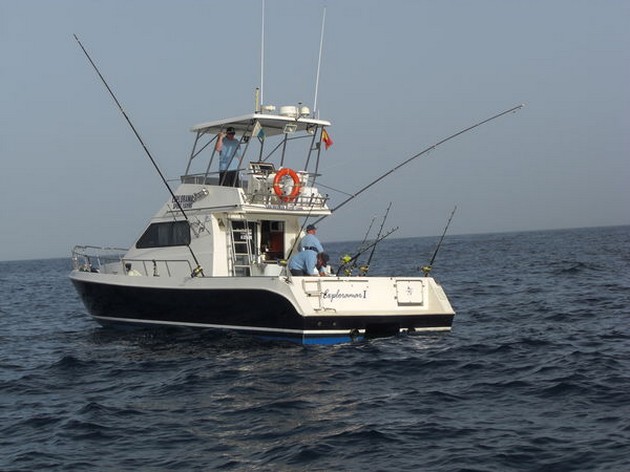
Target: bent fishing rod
column 198, row 271
column 421, row 153
column 427, row 268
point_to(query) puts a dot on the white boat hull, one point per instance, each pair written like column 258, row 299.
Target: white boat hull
column 306, row 310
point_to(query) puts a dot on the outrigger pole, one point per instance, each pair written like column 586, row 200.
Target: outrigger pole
column 198, row 271
column 430, row 148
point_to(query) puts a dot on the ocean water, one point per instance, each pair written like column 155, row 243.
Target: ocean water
column 535, row 375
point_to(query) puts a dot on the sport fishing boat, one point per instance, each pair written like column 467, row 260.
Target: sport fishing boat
column 214, row 256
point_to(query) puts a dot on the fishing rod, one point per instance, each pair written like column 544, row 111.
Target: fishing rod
column 198, row 271
column 430, row 148
column 364, row 269
column 363, row 248
column 427, row 268
column 367, row 232
column 347, row 259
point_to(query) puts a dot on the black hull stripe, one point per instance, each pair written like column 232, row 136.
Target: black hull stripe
column 237, row 309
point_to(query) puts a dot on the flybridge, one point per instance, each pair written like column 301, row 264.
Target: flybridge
column 277, row 154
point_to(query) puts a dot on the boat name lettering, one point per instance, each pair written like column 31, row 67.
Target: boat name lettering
column 327, row 294
column 185, row 201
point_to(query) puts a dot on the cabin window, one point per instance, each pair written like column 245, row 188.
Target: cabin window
column 173, row 233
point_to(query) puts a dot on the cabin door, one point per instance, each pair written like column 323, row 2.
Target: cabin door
column 272, row 240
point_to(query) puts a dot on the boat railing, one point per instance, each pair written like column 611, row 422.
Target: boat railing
column 302, row 201
column 260, row 189
column 107, row 260
column 95, row 258
column 157, row 267
column 201, row 179
column 258, row 185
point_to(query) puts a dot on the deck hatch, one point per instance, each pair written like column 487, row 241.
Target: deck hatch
column 409, row 292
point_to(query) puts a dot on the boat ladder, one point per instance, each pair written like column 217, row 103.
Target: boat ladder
column 241, row 241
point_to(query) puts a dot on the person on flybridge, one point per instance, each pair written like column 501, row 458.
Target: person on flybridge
column 229, row 149
column 310, row 241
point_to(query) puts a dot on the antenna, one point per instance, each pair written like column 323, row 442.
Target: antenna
column 319, row 63
column 262, row 54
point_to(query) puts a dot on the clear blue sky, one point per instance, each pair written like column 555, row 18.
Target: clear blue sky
column 397, row 76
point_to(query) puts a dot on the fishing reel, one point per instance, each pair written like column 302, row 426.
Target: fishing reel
column 345, row 260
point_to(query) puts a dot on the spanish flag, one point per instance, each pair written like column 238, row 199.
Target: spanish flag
column 326, row 138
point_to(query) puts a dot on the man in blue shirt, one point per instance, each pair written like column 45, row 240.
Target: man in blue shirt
column 310, row 241
column 308, row 263
column 229, row 149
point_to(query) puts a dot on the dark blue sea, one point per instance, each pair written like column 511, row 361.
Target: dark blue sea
column 535, row 375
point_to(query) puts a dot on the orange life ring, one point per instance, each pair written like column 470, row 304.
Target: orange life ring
column 278, row 188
